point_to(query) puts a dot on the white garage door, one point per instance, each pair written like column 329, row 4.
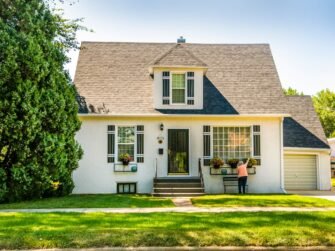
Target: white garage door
column 300, row 172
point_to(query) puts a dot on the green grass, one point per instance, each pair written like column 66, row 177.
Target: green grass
column 93, row 201
column 74, row 230
column 266, row 200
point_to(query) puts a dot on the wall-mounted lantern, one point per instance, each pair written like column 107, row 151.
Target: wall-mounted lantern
column 161, row 126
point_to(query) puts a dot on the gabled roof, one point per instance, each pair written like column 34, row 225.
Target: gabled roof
column 178, row 56
column 113, row 77
column 303, row 129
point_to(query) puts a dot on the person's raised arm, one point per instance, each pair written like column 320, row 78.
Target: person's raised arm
column 246, row 163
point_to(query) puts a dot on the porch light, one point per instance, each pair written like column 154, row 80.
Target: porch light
column 161, row 127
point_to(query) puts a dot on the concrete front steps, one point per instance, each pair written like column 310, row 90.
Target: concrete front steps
column 178, row 187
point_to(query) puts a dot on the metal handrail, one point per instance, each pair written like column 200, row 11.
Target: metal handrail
column 156, row 168
column 200, row 173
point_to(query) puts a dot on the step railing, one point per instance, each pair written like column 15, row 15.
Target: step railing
column 156, row 168
column 200, row 172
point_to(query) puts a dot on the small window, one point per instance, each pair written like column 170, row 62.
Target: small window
column 178, row 88
column 126, row 188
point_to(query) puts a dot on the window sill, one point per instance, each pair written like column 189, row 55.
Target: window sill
column 130, row 168
column 229, row 171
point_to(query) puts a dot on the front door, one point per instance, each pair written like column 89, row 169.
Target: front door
column 178, row 151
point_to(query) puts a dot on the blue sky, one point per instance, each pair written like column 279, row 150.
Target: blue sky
column 301, row 33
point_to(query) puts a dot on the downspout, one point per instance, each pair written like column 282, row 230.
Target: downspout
column 282, row 156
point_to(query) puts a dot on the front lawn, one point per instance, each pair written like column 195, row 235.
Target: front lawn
column 260, row 200
column 93, row 201
column 74, row 230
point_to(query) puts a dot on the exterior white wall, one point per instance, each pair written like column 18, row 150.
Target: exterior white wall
column 331, row 143
column 95, row 175
column 158, row 89
column 323, row 166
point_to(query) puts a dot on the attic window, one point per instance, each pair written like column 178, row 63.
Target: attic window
column 178, row 88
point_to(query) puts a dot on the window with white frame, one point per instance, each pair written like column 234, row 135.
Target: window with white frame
column 178, row 88
column 231, row 142
column 126, row 140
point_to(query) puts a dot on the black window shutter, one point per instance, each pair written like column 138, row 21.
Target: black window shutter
column 140, row 144
column 207, row 144
column 166, row 87
column 257, row 143
column 110, row 143
column 190, row 88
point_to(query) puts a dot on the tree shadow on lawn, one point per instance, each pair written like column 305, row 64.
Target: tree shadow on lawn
column 93, row 201
column 167, row 229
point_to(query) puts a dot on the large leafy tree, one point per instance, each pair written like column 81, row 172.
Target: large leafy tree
column 38, row 111
column 324, row 103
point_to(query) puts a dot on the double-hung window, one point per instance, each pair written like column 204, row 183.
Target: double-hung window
column 178, row 88
column 126, row 140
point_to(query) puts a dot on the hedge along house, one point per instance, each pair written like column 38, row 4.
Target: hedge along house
column 173, row 106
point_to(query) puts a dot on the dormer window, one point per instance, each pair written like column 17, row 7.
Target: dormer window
column 178, row 88
column 181, row 88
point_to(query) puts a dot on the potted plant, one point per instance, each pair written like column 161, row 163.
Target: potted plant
column 252, row 162
column 125, row 158
column 233, row 163
column 216, row 162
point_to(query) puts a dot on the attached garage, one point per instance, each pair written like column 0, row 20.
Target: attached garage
column 300, row 172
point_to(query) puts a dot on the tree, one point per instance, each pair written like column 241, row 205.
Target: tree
column 324, row 103
column 38, row 110
column 292, row 92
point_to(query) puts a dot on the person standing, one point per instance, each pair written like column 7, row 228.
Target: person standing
column 242, row 176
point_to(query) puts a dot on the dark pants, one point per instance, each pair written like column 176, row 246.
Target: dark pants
column 242, row 181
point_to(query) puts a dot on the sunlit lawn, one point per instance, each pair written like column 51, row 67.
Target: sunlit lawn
column 260, row 200
column 93, row 201
column 37, row 230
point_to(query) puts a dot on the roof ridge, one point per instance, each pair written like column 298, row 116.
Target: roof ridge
column 173, row 43
column 164, row 54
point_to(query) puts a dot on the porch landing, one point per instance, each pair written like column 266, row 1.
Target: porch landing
column 178, row 187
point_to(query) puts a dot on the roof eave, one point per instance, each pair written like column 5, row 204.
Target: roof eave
column 306, row 149
column 278, row 115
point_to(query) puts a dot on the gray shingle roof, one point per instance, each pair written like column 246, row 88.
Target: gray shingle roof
column 116, row 75
column 113, row 78
column 178, row 55
column 303, row 129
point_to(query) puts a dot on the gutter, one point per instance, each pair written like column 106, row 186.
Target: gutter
column 306, row 149
column 281, row 132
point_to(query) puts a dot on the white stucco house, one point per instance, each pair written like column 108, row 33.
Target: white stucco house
column 173, row 106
